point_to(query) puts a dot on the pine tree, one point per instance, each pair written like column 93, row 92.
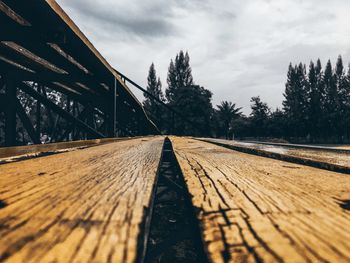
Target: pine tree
column 290, row 92
column 330, row 88
column 339, row 81
column 154, row 87
column 172, row 82
column 345, row 101
column 193, row 101
column 320, row 81
column 343, row 91
column 295, row 104
column 315, row 99
column 179, row 76
column 330, row 101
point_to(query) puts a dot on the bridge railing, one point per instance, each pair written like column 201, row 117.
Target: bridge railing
column 43, row 51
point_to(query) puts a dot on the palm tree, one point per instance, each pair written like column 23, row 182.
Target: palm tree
column 227, row 112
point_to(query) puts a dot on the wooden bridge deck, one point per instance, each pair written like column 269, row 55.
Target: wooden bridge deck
column 254, row 208
column 95, row 204
column 86, row 205
column 333, row 159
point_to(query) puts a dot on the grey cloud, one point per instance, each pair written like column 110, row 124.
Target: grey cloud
column 238, row 49
column 153, row 21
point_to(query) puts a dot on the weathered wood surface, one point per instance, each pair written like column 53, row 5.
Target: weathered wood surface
column 345, row 147
column 325, row 148
column 89, row 205
column 253, row 208
column 6, row 152
column 330, row 160
column 11, row 154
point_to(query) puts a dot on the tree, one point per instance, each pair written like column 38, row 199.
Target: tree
column 154, row 87
column 242, row 126
column 331, row 105
column 194, row 102
column 226, row 113
column 295, row 104
column 341, row 86
column 276, row 124
column 259, row 116
column 344, row 94
column 179, row 76
column 315, row 99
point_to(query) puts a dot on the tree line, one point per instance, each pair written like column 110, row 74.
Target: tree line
column 316, row 105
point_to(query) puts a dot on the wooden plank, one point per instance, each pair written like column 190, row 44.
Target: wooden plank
column 254, row 209
column 11, row 14
column 89, row 205
column 11, row 152
column 304, row 146
column 42, row 54
column 329, row 159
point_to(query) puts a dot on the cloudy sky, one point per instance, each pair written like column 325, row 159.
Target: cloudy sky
column 238, row 49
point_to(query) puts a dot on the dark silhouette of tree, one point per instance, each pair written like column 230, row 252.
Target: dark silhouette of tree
column 340, row 87
column 194, row 102
column 259, row 116
column 316, row 106
column 295, row 104
column 242, row 127
column 315, row 99
column 276, row 125
column 331, row 104
column 152, row 107
column 344, row 97
column 226, row 113
column 179, row 76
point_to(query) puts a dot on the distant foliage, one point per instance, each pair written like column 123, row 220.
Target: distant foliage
column 179, row 76
column 152, row 107
column 316, row 106
column 226, row 114
column 317, row 103
column 295, row 104
column 192, row 101
column 259, row 116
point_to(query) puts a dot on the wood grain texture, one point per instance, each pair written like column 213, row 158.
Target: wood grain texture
column 326, row 159
column 88, row 205
column 336, row 158
column 255, row 209
column 6, row 152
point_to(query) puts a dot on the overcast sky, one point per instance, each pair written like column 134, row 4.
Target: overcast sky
column 238, row 49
